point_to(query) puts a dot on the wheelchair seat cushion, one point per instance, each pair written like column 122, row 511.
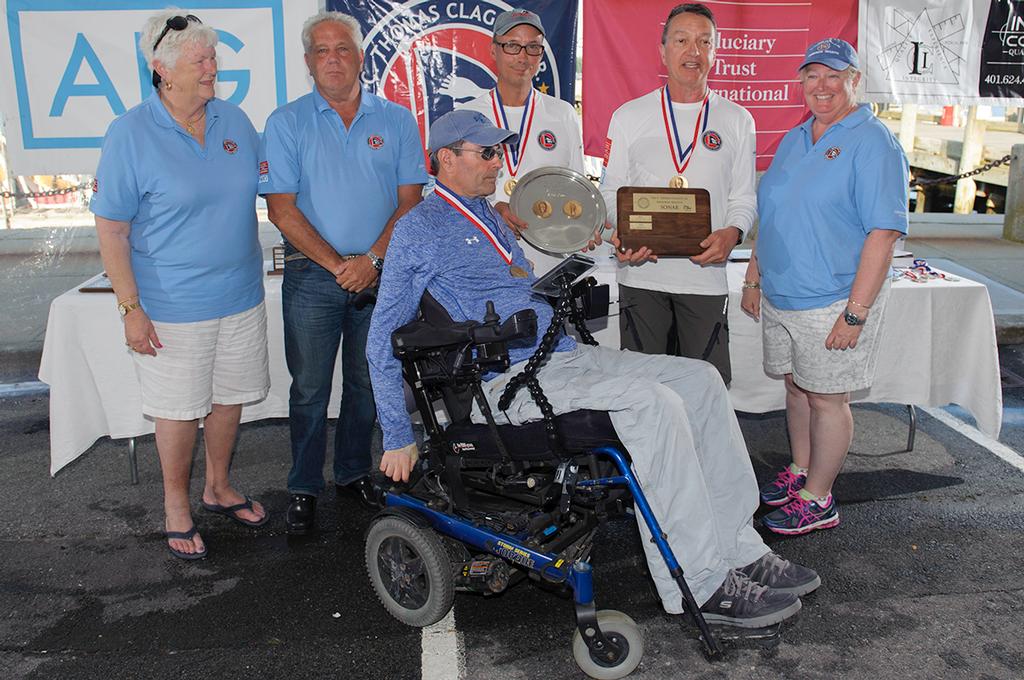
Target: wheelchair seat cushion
column 579, row 430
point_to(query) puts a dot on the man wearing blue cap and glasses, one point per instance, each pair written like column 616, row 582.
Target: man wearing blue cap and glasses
column 673, row 414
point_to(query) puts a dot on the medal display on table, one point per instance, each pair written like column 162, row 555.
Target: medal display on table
column 513, row 152
column 563, row 209
column 673, row 220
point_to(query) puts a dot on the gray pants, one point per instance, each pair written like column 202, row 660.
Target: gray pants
column 675, row 419
column 676, row 323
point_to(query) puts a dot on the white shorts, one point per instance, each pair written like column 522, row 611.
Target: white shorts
column 794, row 342
column 218, row 361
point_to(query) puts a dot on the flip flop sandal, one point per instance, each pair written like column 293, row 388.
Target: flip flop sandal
column 232, row 512
column 185, row 536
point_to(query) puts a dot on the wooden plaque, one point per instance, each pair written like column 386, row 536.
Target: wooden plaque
column 671, row 222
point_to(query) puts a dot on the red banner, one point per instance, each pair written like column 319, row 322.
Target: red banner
column 760, row 45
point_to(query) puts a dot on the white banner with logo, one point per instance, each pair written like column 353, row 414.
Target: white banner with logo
column 942, row 51
column 69, row 67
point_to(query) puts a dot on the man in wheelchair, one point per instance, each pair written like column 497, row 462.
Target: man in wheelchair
column 672, row 414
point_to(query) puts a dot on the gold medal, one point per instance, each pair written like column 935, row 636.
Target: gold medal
column 510, row 186
column 678, row 182
column 542, row 209
column 517, row 272
column 572, row 209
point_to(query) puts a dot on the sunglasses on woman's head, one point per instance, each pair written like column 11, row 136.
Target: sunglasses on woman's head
column 177, row 23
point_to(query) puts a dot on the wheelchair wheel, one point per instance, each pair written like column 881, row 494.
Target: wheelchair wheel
column 623, row 630
column 410, row 571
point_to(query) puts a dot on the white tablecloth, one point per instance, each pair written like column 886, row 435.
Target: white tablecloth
column 938, row 347
column 93, row 388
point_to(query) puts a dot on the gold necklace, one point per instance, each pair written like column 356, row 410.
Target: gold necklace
column 190, row 124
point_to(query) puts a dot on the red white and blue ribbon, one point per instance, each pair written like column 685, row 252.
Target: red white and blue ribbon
column 681, row 157
column 493, row 235
column 514, row 152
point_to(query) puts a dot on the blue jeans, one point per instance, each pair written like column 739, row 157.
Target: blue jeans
column 318, row 316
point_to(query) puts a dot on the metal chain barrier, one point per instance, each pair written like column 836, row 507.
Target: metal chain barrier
column 949, row 179
column 42, row 194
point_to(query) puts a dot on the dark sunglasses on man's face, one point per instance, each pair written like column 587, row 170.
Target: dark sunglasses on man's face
column 488, row 152
column 178, row 23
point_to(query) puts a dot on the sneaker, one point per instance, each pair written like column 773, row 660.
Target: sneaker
column 782, row 575
column 801, row 516
column 743, row 603
column 783, row 488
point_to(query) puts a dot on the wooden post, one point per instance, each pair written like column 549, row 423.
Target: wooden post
column 1013, row 220
column 970, row 158
column 908, row 127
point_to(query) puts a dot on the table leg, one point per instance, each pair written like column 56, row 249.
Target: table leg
column 133, row 461
column 912, row 430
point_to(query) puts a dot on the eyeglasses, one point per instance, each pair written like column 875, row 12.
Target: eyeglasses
column 487, row 153
column 532, row 49
column 178, row 23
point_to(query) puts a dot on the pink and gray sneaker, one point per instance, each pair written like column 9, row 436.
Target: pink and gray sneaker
column 783, row 488
column 801, row 516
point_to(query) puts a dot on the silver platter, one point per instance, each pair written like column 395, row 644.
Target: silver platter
column 562, row 208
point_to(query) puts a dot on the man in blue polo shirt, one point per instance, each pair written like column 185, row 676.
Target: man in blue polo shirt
column 338, row 167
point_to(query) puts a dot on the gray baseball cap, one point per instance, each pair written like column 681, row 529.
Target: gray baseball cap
column 471, row 126
column 506, row 21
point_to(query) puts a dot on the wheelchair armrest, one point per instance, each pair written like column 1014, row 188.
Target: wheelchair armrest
column 522, row 324
column 421, row 335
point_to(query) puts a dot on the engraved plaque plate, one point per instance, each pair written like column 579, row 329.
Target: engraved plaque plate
column 671, row 222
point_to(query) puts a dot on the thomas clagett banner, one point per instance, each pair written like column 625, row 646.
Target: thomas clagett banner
column 926, row 51
column 760, row 45
column 431, row 55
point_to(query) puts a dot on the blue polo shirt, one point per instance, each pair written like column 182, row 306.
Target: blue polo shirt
column 195, row 249
column 818, row 202
column 345, row 180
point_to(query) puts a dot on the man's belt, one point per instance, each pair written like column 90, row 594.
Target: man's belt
column 302, row 256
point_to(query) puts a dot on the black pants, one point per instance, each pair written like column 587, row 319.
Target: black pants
column 676, row 324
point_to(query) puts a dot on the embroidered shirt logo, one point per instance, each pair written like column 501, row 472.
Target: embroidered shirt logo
column 831, row 152
column 547, row 140
column 471, row 241
column 95, row 185
column 375, row 141
column 264, row 172
column 230, row 146
column 712, row 140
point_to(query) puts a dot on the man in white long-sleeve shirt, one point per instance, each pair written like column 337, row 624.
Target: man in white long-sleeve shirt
column 548, row 127
column 683, row 134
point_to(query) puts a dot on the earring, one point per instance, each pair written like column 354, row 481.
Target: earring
column 167, row 85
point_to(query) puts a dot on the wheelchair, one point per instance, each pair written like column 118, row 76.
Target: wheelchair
column 489, row 505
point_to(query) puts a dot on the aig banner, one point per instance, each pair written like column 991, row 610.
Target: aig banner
column 68, row 68
column 430, row 55
column 760, row 45
column 942, row 52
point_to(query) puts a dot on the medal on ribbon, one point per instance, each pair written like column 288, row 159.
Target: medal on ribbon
column 513, row 152
column 681, row 157
column 493, row 235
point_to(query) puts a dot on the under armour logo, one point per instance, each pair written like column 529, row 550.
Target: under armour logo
column 471, row 241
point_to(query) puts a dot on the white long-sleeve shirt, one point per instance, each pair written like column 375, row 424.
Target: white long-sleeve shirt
column 638, row 153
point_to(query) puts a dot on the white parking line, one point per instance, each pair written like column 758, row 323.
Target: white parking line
column 442, row 657
column 997, row 448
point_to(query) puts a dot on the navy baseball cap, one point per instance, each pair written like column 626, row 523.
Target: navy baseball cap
column 471, row 126
column 506, row 21
column 835, row 53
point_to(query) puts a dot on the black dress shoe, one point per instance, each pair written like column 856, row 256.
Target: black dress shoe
column 364, row 490
column 301, row 515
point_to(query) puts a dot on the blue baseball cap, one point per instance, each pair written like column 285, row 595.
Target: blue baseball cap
column 835, row 53
column 471, row 126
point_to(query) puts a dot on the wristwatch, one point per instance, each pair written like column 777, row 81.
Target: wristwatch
column 378, row 262
column 852, row 319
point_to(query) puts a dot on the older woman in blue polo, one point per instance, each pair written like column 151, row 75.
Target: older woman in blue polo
column 831, row 207
column 175, row 214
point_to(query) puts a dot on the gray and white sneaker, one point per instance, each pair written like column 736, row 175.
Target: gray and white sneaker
column 782, row 575
column 741, row 602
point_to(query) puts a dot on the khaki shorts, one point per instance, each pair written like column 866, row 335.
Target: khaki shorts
column 219, row 361
column 794, row 342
